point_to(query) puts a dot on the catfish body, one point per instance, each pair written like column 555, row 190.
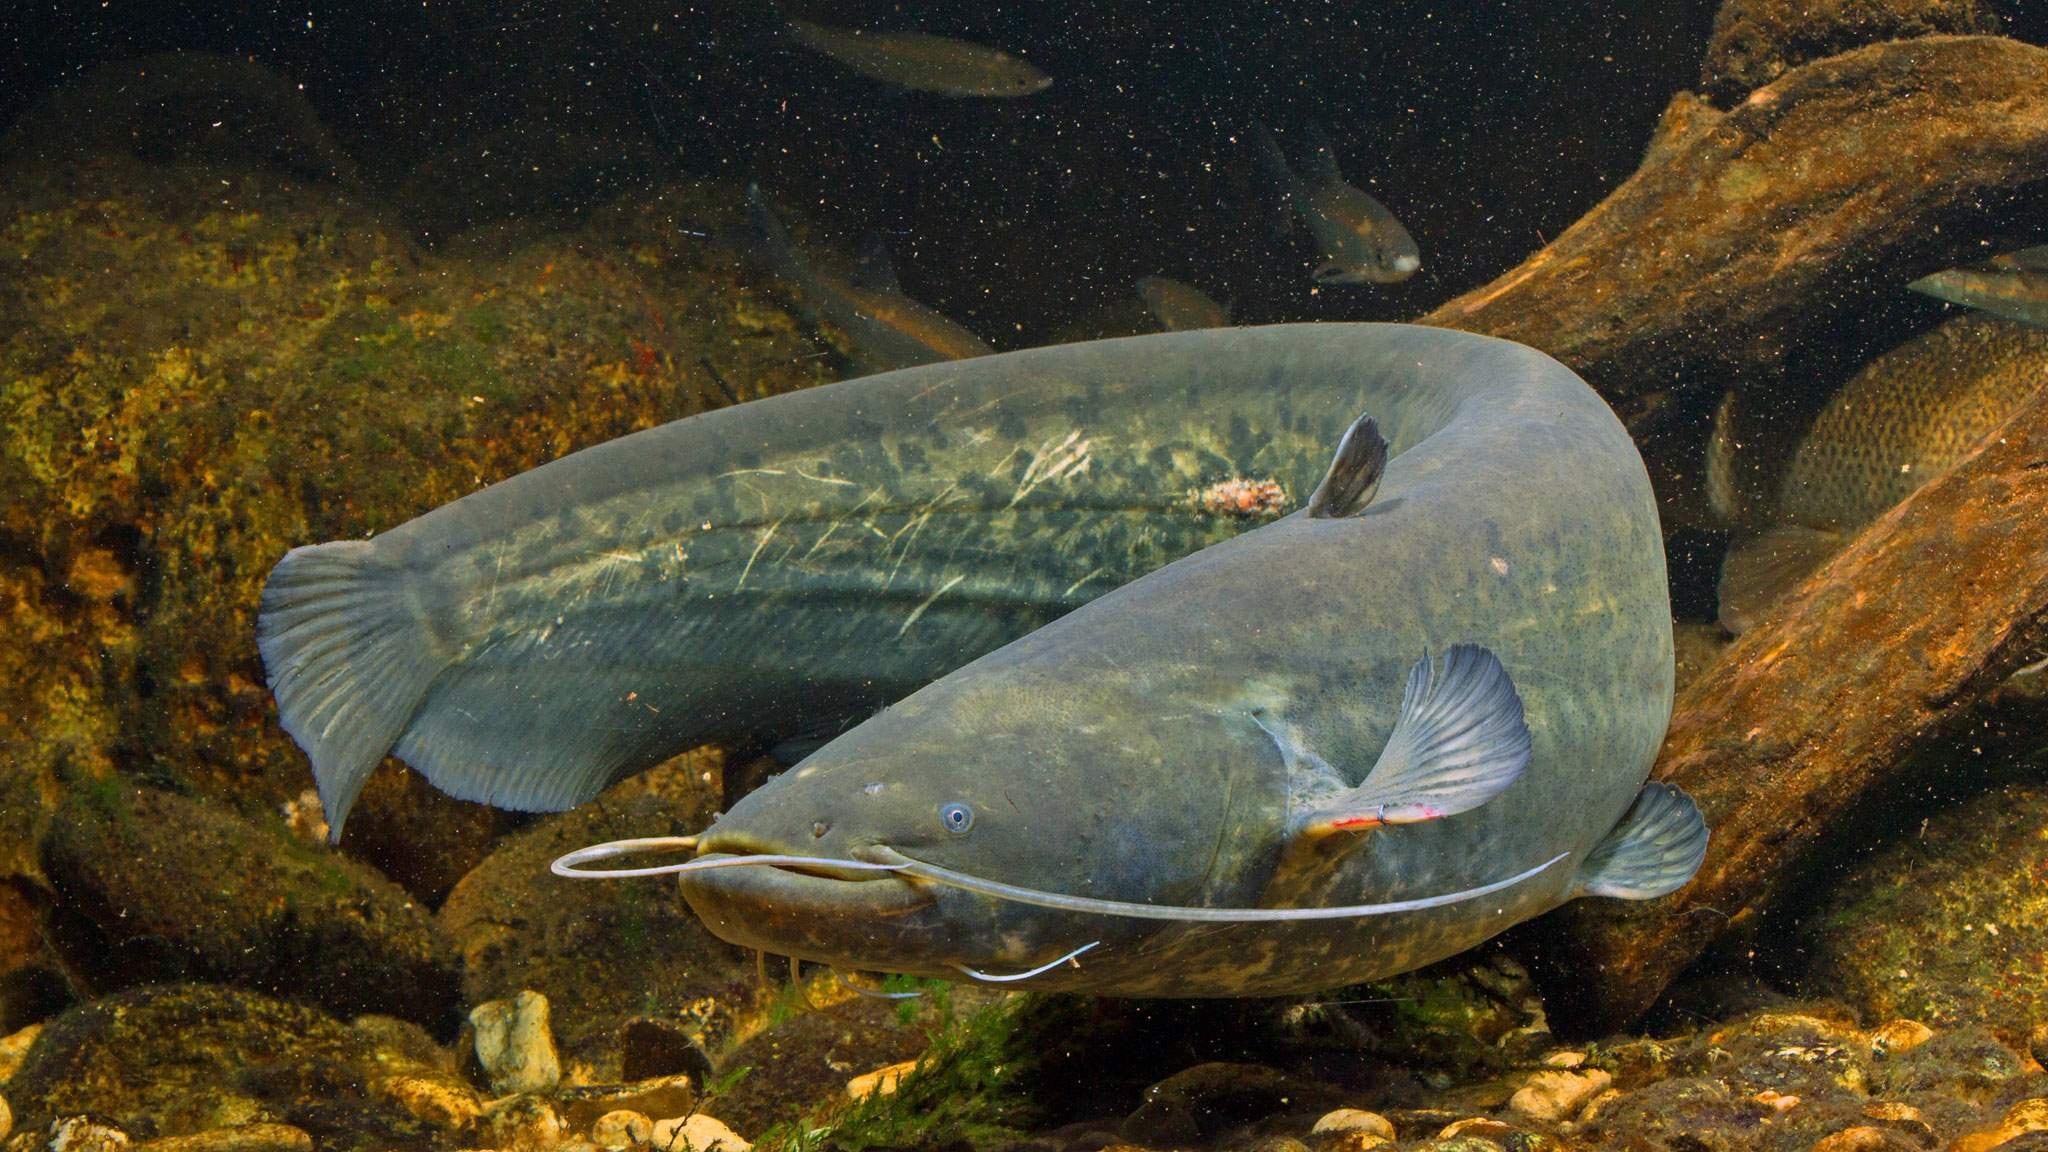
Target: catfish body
column 1207, row 737
column 776, row 570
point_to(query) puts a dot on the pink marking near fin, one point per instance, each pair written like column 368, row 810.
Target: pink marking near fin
column 1356, row 822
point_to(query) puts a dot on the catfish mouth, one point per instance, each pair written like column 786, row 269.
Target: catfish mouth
column 782, row 881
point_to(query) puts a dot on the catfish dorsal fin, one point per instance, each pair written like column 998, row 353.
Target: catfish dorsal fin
column 1354, row 474
column 873, row 268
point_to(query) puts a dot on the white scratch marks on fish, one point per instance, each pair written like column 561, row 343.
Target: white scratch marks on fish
column 753, row 472
column 767, row 534
column 1083, row 580
column 1054, row 462
column 928, row 601
column 827, row 479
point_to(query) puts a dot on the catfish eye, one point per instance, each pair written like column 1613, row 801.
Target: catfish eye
column 957, row 817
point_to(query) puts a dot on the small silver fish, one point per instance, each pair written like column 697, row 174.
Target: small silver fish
column 1360, row 241
column 1180, row 306
column 887, row 329
column 924, row 63
column 2013, row 285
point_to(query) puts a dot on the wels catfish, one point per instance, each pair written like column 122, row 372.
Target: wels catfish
column 765, row 574
column 1359, row 241
column 1415, row 711
column 884, row 328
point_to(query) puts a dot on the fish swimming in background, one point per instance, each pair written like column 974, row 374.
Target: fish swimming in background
column 1907, row 417
column 1358, row 240
column 766, row 574
column 1180, row 306
column 924, row 63
column 2013, row 285
column 1419, row 709
column 884, row 328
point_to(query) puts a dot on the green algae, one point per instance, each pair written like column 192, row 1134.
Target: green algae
column 204, row 365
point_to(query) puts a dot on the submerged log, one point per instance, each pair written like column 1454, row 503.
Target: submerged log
column 1929, row 609
column 1844, row 177
column 1757, row 41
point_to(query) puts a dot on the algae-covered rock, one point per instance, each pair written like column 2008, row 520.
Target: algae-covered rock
column 162, row 887
column 603, row 953
column 1947, row 924
column 209, row 359
column 177, row 1060
column 1757, row 41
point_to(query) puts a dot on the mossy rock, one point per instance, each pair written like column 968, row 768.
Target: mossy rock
column 1947, row 924
column 158, row 887
column 211, row 358
column 178, row 1059
column 604, row 953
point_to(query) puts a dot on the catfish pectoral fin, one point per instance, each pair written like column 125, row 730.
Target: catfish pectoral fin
column 1653, row 852
column 1459, row 741
column 1355, row 473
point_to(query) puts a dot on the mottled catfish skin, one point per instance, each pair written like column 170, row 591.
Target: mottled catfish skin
column 781, row 568
column 1139, row 748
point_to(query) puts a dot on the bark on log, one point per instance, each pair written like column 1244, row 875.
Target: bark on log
column 1757, row 41
column 1929, row 609
column 1823, row 187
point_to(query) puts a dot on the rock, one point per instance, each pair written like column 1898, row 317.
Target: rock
column 1480, row 1128
column 2020, row 1119
column 623, row 1128
column 1756, row 41
column 84, row 1134
column 32, row 983
column 1861, row 1138
column 651, row 1048
column 698, row 1132
column 583, row 1106
column 248, row 340
column 1776, row 1101
column 1898, row 1036
column 6, row 1115
column 602, row 951
column 1563, row 1059
column 14, row 1049
column 1196, row 1103
column 240, row 1138
column 1558, row 1096
column 880, row 1082
column 143, row 872
column 802, row 1061
column 1354, row 1120
column 522, row 1121
column 514, row 1045
column 445, row 1103
column 1944, row 924
column 177, row 1060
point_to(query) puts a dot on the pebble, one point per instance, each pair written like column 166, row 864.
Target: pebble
column 437, row 1102
column 1862, row 1138
column 14, row 1049
column 1776, row 1101
column 1480, row 1127
column 2037, row 1045
column 523, row 1121
column 84, row 1134
column 1556, row 1096
column 623, row 1128
column 1899, row 1036
column 881, row 1082
column 240, row 1138
column 1354, row 1120
column 1564, row 1059
column 700, row 1132
column 2020, row 1119
column 514, row 1044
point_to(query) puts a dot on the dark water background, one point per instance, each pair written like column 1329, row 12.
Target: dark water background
column 1487, row 127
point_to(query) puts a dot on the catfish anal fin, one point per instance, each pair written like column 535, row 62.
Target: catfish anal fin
column 1460, row 740
column 1354, row 474
column 1653, row 852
